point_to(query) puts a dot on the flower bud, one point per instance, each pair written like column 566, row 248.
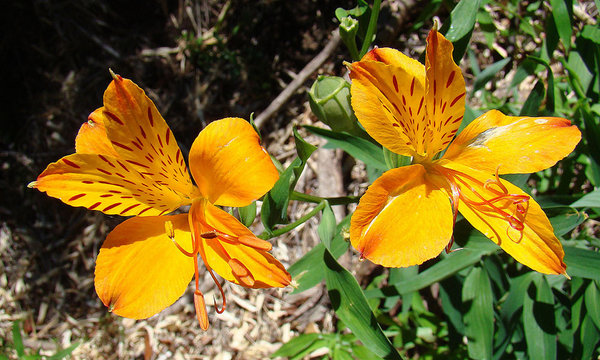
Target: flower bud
column 329, row 99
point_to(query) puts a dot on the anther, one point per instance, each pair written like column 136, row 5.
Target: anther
column 255, row 243
column 170, row 231
column 241, row 272
column 200, row 307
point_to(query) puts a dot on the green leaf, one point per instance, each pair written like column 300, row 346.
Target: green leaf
column 359, row 148
column 531, row 107
column 18, row 339
column 488, row 74
column 350, row 305
column 248, row 214
column 461, row 23
column 449, row 266
column 562, row 19
column 564, row 223
column 592, row 33
column 582, row 262
column 299, row 346
column 514, row 300
column 539, row 320
column 590, row 336
column 275, row 202
column 592, row 302
column 550, row 92
column 64, row 352
column 308, row 271
column 327, row 227
column 479, row 313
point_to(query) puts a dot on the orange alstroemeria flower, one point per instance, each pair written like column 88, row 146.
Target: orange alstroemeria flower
column 128, row 163
column 407, row 215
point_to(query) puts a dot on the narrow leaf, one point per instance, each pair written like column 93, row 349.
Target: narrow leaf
column 488, row 74
column 350, row 305
column 479, row 314
column 582, row 262
column 248, row 214
column 589, row 200
column 462, row 20
column 562, row 19
column 538, row 320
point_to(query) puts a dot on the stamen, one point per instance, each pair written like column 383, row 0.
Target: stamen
column 222, row 309
column 170, row 230
column 241, row 272
column 255, row 243
column 200, row 307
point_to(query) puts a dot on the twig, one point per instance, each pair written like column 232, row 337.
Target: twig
column 289, row 90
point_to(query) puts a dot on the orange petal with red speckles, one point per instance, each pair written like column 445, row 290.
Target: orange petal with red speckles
column 92, row 139
column 101, row 182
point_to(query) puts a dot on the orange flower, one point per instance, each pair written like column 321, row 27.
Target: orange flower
column 407, row 215
column 127, row 162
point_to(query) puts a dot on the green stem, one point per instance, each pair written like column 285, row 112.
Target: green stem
column 371, row 29
column 295, row 224
column 342, row 200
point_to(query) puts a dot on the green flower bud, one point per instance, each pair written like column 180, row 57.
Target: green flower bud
column 329, row 99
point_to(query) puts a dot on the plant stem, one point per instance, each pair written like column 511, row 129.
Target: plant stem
column 371, row 29
column 342, row 200
column 289, row 227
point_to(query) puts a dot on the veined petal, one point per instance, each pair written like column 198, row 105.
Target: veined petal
column 445, row 97
column 92, row 138
column 229, row 165
column 139, row 271
column 229, row 248
column 508, row 216
column 388, row 99
column 101, row 182
column 140, row 135
column 403, row 219
column 513, row 144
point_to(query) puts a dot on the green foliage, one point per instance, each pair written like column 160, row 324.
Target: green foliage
column 26, row 354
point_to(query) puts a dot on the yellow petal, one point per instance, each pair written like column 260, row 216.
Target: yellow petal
column 139, row 271
column 92, row 138
column 100, row 182
column 234, row 260
column 388, row 99
column 403, row 219
column 229, row 165
column 513, row 144
column 509, row 217
column 140, row 136
column 445, row 93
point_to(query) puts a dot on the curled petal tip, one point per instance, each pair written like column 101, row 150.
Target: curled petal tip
column 32, row 185
column 114, row 76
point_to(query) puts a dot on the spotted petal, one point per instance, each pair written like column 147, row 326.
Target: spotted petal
column 140, row 135
column 403, row 219
column 139, row 271
column 388, row 99
column 513, row 144
column 229, row 248
column 113, row 186
column 445, row 98
column 499, row 218
column 229, row 165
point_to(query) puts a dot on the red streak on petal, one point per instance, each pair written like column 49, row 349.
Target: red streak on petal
column 150, row 116
column 105, row 195
column 106, row 160
column 94, row 206
column 456, row 99
column 121, row 145
column 143, row 211
column 395, row 82
column 167, row 135
column 450, row 79
column 75, row 197
column 111, row 206
column 128, row 208
column 87, row 182
column 412, row 87
column 113, row 117
column 123, row 166
column 70, row 163
column 137, row 163
column 104, row 171
column 142, row 132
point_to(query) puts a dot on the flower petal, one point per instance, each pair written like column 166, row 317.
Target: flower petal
column 141, row 137
column 513, row 144
column 101, row 182
column 244, row 262
column 388, row 99
column 403, row 219
column 229, row 165
column 445, row 97
column 500, row 213
column 139, row 271
column 92, row 138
